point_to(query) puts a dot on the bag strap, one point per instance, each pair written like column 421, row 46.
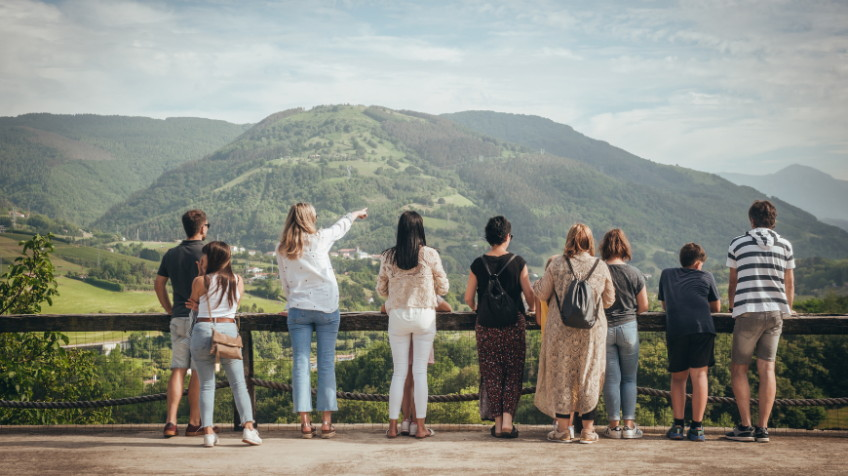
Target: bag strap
column 592, row 270
column 497, row 275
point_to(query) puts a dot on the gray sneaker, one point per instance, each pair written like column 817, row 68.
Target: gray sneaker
column 631, row 433
column 613, row 432
column 741, row 433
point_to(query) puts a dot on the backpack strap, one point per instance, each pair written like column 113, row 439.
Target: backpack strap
column 496, row 275
column 571, row 268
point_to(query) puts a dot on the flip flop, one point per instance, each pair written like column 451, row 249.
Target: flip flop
column 390, row 436
column 430, row 433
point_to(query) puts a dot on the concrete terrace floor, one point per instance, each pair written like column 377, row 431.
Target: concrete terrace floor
column 363, row 449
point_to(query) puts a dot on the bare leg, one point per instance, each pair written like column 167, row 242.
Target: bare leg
column 699, row 392
column 742, row 392
column 768, row 390
column 327, row 421
column 393, row 429
column 562, row 424
column 506, row 423
column 407, row 407
column 678, row 393
column 588, row 426
column 422, row 428
column 175, row 393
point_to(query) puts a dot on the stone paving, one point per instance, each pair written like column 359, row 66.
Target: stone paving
column 364, row 450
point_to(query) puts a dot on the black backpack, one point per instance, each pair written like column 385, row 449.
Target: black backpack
column 496, row 308
column 577, row 309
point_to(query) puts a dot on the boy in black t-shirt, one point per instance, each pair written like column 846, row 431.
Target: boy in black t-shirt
column 689, row 296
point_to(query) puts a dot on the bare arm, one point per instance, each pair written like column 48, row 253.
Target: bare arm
column 715, row 306
column 198, row 288
column 471, row 291
column 608, row 296
column 527, row 289
column 733, row 279
column 642, row 301
column 443, row 306
column 160, row 285
column 240, row 287
column 789, row 284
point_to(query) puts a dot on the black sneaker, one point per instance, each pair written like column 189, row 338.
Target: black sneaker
column 761, row 434
column 741, row 433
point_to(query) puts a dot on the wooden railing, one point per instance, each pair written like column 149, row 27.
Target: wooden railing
column 825, row 324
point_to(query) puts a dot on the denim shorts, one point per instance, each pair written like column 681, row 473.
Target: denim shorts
column 180, row 343
column 756, row 333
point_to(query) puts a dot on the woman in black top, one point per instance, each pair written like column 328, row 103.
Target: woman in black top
column 500, row 326
column 631, row 298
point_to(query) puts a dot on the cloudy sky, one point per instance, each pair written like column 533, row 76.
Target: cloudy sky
column 743, row 86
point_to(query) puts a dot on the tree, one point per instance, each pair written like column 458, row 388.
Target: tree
column 34, row 366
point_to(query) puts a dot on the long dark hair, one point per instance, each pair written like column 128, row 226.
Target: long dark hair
column 218, row 261
column 410, row 239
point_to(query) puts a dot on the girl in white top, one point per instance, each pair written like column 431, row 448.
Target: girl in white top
column 217, row 293
column 312, row 296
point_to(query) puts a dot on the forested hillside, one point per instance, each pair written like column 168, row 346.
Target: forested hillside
column 658, row 204
column 74, row 167
column 345, row 157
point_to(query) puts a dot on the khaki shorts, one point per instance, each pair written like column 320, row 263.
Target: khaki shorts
column 180, row 340
column 756, row 333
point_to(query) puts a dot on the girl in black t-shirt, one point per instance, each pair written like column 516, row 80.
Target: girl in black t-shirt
column 500, row 336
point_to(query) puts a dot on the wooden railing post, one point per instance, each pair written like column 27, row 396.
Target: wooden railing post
column 247, row 362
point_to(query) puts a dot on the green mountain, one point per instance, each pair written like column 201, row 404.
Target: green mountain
column 655, row 204
column 344, row 157
column 75, row 167
column 806, row 187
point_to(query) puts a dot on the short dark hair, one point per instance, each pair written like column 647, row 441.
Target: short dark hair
column 763, row 214
column 497, row 230
column 193, row 221
column 690, row 253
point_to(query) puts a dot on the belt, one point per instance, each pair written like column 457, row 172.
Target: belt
column 217, row 319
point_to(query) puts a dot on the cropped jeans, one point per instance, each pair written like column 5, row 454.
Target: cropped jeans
column 204, row 362
column 622, row 365
column 301, row 324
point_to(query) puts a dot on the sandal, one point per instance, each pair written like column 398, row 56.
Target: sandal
column 307, row 435
column 390, row 436
column 512, row 434
column 430, row 433
column 326, row 434
column 495, row 433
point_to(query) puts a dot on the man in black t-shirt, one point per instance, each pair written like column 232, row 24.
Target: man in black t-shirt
column 180, row 266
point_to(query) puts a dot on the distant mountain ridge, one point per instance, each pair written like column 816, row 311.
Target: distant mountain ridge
column 458, row 170
column 806, row 187
column 75, row 167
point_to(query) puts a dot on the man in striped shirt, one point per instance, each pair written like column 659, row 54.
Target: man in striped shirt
column 760, row 291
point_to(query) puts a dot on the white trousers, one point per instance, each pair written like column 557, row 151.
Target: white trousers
column 416, row 326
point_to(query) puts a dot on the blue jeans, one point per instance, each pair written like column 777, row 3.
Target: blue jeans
column 201, row 341
column 301, row 324
column 622, row 365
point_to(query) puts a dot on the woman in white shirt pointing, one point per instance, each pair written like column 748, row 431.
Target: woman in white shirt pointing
column 312, row 295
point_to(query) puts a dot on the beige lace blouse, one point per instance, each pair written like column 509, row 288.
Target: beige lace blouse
column 416, row 287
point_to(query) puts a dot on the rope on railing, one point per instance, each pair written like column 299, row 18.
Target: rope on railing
column 377, row 397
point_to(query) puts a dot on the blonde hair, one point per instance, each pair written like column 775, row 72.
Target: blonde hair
column 579, row 239
column 300, row 222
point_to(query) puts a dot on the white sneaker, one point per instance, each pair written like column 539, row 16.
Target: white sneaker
column 413, row 428
column 251, row 437
column 210, row 440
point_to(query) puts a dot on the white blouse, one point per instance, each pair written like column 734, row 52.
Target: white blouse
column 309, row 281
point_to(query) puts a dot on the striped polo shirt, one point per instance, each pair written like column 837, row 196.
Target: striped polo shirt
column 760, row 257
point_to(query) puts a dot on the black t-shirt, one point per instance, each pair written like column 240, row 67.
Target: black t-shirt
column 180, row 266
column 510, row 277
column 687, row 294
column 628, row 282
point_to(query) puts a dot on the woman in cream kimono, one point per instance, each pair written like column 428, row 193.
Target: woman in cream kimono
column 572, row 361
